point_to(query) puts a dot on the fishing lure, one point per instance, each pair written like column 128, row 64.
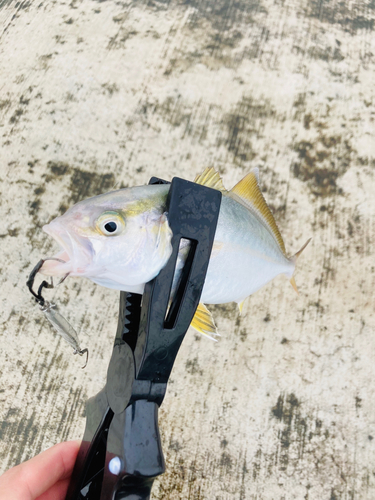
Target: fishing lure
column 58, row 322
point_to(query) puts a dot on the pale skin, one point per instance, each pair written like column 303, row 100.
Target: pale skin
column 44, row 477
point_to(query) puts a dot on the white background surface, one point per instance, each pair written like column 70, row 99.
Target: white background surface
column 96, row 94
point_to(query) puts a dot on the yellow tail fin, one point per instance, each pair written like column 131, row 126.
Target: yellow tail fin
column 294, row 259
column 294, row 284
column 296, row 255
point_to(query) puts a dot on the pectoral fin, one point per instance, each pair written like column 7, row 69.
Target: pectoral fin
column 204, row 323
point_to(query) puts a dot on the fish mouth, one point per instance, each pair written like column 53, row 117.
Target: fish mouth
column 75, row 255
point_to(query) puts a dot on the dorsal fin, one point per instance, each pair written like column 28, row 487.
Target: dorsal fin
column 251, row 197
column 211, row 178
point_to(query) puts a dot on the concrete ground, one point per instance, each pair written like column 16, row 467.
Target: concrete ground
column 102, row 93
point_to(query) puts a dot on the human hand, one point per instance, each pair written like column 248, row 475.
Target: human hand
column 44, row 477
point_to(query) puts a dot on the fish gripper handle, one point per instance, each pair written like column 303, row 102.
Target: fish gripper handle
column 121, row 452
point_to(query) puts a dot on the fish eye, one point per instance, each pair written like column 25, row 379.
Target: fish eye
column 110, row 224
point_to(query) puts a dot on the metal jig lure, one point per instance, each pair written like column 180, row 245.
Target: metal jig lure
column 59, row 323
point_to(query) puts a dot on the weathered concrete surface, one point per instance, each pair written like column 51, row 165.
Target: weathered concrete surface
column 98, row 93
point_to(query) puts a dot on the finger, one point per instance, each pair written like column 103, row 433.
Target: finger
column 31, row 479
column 57, row 492
column 43, row 471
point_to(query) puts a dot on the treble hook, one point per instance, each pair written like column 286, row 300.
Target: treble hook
column 30, row 282
column 81, row 353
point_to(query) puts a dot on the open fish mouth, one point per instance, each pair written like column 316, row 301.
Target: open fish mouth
column 75, row 255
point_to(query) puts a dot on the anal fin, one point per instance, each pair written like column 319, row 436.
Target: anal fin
column 203, row 323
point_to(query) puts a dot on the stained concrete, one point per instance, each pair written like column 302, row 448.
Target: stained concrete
column 100, row 93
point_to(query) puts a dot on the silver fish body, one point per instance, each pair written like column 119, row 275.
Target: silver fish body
column 245, row 256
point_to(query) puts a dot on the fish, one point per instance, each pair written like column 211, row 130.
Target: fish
column 122, row 239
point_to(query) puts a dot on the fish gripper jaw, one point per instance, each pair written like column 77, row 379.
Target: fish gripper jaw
column 121, row 452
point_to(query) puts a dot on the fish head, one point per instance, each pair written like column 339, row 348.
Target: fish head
column 120, row 240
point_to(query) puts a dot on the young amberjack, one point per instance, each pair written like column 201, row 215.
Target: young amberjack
column 122, row 240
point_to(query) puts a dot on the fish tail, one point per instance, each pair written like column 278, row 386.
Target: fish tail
column 293, row 259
